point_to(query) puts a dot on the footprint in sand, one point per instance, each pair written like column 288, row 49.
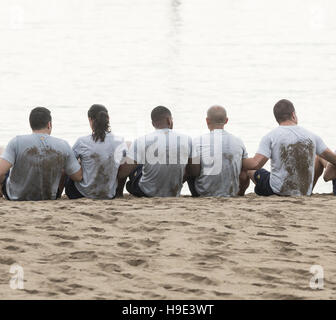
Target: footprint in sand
column 136, row 262
column 110, row 267
column 194, row 278
column 100, row 230
column 65, row 244
column 13, row 248
column 83, row 255
column 7, row 260
column 65, row 237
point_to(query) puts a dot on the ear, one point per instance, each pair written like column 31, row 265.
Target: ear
column 227, row 120
column 49, row 125
column 207, row 121
column 170, row 122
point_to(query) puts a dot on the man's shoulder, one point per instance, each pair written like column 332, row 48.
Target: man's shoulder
column 58, row 142
column 234, row 138
column 22, row 137
column 306, row 131
column 181, row 135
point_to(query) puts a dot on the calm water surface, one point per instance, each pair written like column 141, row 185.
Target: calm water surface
column 132, row 55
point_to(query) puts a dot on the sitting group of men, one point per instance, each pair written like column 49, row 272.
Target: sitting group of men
column 39, row 167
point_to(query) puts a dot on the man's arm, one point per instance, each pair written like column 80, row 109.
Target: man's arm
column 255, row 163
column 330, row 173
column 4, row 168
column 126, row 168
column 329, row 156
column 78, row 176
column 193, row 168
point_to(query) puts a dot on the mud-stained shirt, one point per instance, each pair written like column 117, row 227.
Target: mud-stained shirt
column 292, row 150
column 220, row 155
column 100, row 163
column 164, row 155
column 37, row 163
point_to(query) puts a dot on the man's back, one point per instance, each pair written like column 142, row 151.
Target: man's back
column 164, row 155
column 292, row 150
column 221, row 156
column 38, row 161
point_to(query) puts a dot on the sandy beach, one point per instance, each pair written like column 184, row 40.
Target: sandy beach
column 242, row 248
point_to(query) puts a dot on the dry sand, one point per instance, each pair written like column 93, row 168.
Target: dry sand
column 243, row 248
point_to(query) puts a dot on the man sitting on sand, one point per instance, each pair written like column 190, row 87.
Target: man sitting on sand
column 292, row 150
column 156, row 162
column 37, row 162
column 217, row 160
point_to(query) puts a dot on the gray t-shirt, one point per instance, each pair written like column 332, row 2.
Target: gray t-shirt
column 221, row 155
column 38, row 161
column 164, row 155
column 292, row 150
column 100, row 163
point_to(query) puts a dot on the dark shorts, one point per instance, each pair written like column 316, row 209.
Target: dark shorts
column 191, row 185
column 3, row 187
column 334, row 186
column 263, row 187
column 132, row 186
column 70, row 189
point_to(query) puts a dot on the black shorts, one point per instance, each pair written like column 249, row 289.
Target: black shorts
column 263, row 187
column 191, row 185
column 70, row 189
column 132, row 186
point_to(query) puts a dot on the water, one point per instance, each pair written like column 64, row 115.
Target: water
column 132, row 55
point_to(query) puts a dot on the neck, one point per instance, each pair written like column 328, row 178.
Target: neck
column 161, row 127
column 288, row 123
column 216, row 127
column 42, row 131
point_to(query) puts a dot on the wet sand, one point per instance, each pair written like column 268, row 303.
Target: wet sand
column 243, row 248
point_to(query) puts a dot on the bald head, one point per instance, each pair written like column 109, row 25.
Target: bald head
column 216, row 117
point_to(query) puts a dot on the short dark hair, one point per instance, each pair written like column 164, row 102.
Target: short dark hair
column 159, row 113
column 39, row 118
column 283, row 110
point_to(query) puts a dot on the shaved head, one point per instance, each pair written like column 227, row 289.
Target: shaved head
column 217, row 115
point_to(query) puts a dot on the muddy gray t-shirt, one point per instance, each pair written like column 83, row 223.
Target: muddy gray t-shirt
column 100, row 163
column 164, row 155
column 38, row 161
column 292, row 150
column 221, row 155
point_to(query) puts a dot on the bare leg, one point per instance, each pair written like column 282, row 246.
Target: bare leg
column 320, row 165
column 122, row 182
column 251, row 175
column 61, row 184
column 120, row 188
column 244, row 182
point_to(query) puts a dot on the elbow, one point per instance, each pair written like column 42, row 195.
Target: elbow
column 326, row 178
column 258, row 166
column 78, row 177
